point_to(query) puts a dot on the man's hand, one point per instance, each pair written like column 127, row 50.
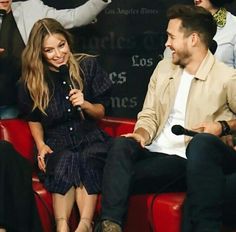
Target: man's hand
column 1, row 50
column 209, row 127
column 228, row 139
column 139, row 138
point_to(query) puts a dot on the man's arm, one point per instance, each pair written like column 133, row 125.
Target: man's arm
column 79, row 16
column 232, row 125
column 224, row 129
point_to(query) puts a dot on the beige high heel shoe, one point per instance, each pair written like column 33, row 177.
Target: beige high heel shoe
column 85, row 225
column 62, row 225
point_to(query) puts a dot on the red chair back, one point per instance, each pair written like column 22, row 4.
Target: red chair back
column 17, row 132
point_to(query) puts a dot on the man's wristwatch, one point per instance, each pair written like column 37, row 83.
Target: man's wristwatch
column 225, row 128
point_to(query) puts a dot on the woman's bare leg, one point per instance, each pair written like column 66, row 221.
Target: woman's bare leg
column 62, row 206
column 86, row 204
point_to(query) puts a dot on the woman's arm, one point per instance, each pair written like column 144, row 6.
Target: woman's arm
column 43, row 149
column 96, row 111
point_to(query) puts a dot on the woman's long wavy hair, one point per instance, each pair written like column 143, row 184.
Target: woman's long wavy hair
column 34, row 65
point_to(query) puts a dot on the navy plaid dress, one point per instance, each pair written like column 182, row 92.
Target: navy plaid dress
column 79, row 146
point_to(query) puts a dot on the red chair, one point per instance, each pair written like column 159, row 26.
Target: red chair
column 149, row 212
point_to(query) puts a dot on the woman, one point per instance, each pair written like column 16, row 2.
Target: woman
column 71, row 148
column 15, row 27
column 226, row 33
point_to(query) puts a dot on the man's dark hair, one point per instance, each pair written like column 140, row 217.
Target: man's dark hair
column 194, row 19
column 220, row 3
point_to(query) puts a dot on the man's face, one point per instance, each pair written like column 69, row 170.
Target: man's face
column 178, row 43
column 5, row 5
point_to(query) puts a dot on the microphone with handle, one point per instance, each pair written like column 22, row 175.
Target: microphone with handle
column 64, row 70
column 179, row 130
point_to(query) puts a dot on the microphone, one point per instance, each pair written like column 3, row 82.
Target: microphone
column 179, row 130
column 64, row 70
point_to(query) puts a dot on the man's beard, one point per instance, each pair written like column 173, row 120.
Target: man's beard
column 183, row 57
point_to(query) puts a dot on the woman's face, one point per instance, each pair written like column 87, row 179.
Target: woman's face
column 55, row 50
column 5, row 5
column 204, row 3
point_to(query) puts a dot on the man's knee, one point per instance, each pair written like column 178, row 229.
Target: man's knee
column 5, row 147
column 201, row 147
column 122, row 148
column 5, row 144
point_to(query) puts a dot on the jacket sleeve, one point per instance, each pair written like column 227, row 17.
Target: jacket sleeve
column 148, row 118
column 234, row 52
column 231, row 93
column 76, row 17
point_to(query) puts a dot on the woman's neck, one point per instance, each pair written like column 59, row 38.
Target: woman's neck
column 213, row 10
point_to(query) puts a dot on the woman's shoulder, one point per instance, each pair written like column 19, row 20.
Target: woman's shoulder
column 86, row 60
column 90, row 65
column 231, row 18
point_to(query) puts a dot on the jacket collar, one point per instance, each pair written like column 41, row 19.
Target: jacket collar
column 220, row 17
column 205, row 67
column 203, row 70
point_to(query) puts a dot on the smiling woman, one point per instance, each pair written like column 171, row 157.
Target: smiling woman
column 71, row 149
column 15, row 28
column 225, row 36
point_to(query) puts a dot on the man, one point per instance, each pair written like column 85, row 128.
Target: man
column 224, row 43
column 193, row 90
column 15, row 28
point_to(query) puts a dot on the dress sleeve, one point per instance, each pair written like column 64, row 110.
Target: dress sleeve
column 97, row 85
column 25, row 105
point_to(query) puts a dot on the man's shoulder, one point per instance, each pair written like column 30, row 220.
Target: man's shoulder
column 222, row 69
